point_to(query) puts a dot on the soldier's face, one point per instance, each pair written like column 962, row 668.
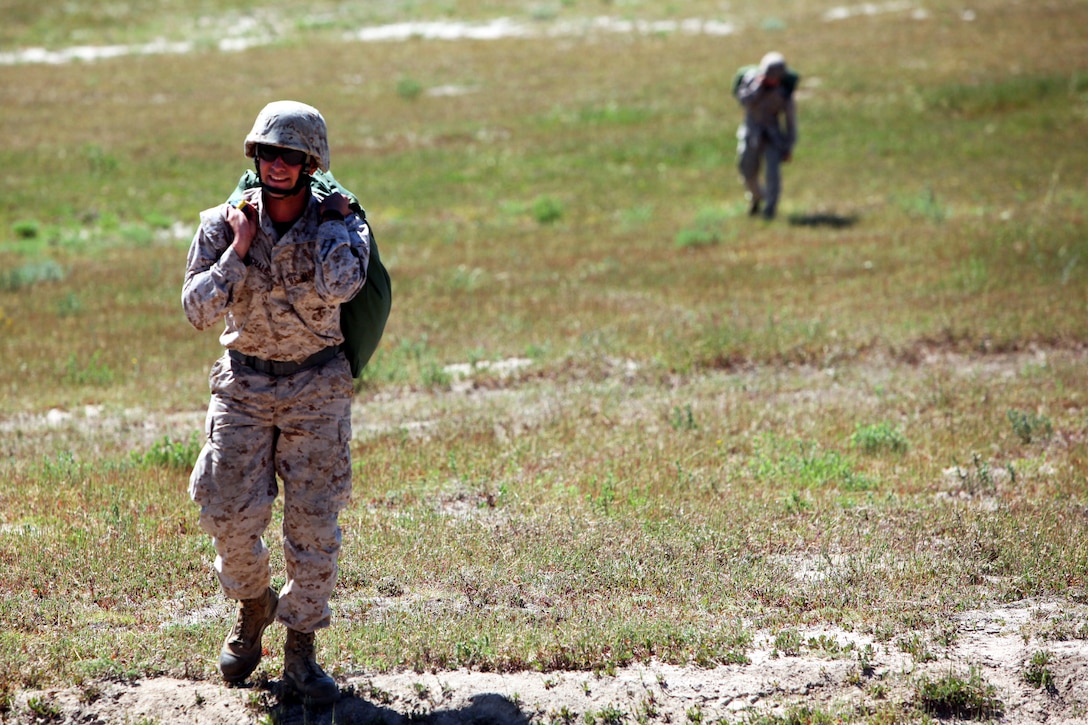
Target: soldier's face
column 276, row 169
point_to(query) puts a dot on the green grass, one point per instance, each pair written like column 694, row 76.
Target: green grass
column 1037, row 672
column 887, row 392
column 955, row 695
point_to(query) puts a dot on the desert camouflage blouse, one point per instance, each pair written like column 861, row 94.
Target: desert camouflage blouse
column 283, row 301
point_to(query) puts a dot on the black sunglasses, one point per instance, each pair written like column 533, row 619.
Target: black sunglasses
column 291, row 157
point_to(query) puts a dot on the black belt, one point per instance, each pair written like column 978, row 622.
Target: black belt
column 279, row 368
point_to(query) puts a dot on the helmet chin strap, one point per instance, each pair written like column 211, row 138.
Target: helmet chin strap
column 301, row 184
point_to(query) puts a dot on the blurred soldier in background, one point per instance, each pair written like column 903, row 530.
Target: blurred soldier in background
column 276, row 268
column 769, row 130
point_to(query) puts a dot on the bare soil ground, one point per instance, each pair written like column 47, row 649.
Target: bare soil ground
column 998, row 642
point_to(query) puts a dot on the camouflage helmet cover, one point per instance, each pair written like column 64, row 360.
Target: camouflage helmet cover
column 773, row 63
column 291, row 125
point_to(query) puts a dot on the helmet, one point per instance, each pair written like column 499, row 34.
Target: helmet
column 773, row 63
column 291, row 125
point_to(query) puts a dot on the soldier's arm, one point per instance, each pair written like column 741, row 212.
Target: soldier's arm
column 343, row 251
column 749, row 88
column 213, row 268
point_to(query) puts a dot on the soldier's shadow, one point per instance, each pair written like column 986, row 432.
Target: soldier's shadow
column 352, row 709
column 823, row 219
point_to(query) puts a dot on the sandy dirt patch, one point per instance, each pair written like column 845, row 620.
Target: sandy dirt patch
column 998, row 642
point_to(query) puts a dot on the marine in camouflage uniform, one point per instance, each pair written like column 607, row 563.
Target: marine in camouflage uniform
column 769, row 130
column 276, row 274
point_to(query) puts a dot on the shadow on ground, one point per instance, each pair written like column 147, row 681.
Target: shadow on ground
column 823, row 219
column 352, row 709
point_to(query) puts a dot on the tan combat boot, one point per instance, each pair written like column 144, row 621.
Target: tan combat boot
column 241, row 651
column 302, row 674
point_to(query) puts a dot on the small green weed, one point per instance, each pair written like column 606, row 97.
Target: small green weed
column 878, row 438
column 804, row 464
column 136, row 235
column 635, row 218
column 608, row 715
column 93, row 372
column 613, row 114
column 682, row 418
column 604, row 495
column 972, row 276
column 865, row 661
column 707, row 229
column 62, row 466
column 543, row 12
column 915, row 646
column 157, row 220
column 878, row 690
column 1037, row 672
column 925, row 206
column 99, row 161
column 562, row 716
column 434, row 376
column 409, row 88
column 547, row 210
column 829, row 646
column 795, row 502
column 409, row 358
column 69, row 305
column 647, row 709
column 476, row 650
column 30, row 274
column 788, row 643
column 170, row 453
column 466, row 279
column 1030, row 426
column 44, row 710
column 976, row 480
column 803, row 715
column 954, row 695
column 26, row 229
column 730, row 648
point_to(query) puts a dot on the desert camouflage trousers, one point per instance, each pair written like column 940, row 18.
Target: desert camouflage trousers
column 299, row 428
column 753, row 148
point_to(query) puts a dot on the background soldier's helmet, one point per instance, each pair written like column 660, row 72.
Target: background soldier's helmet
column 291, row 125
column 773, row 63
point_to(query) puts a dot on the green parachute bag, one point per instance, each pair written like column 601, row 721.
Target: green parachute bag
column 363, row 317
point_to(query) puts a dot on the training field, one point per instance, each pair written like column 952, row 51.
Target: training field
column 626, row 455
